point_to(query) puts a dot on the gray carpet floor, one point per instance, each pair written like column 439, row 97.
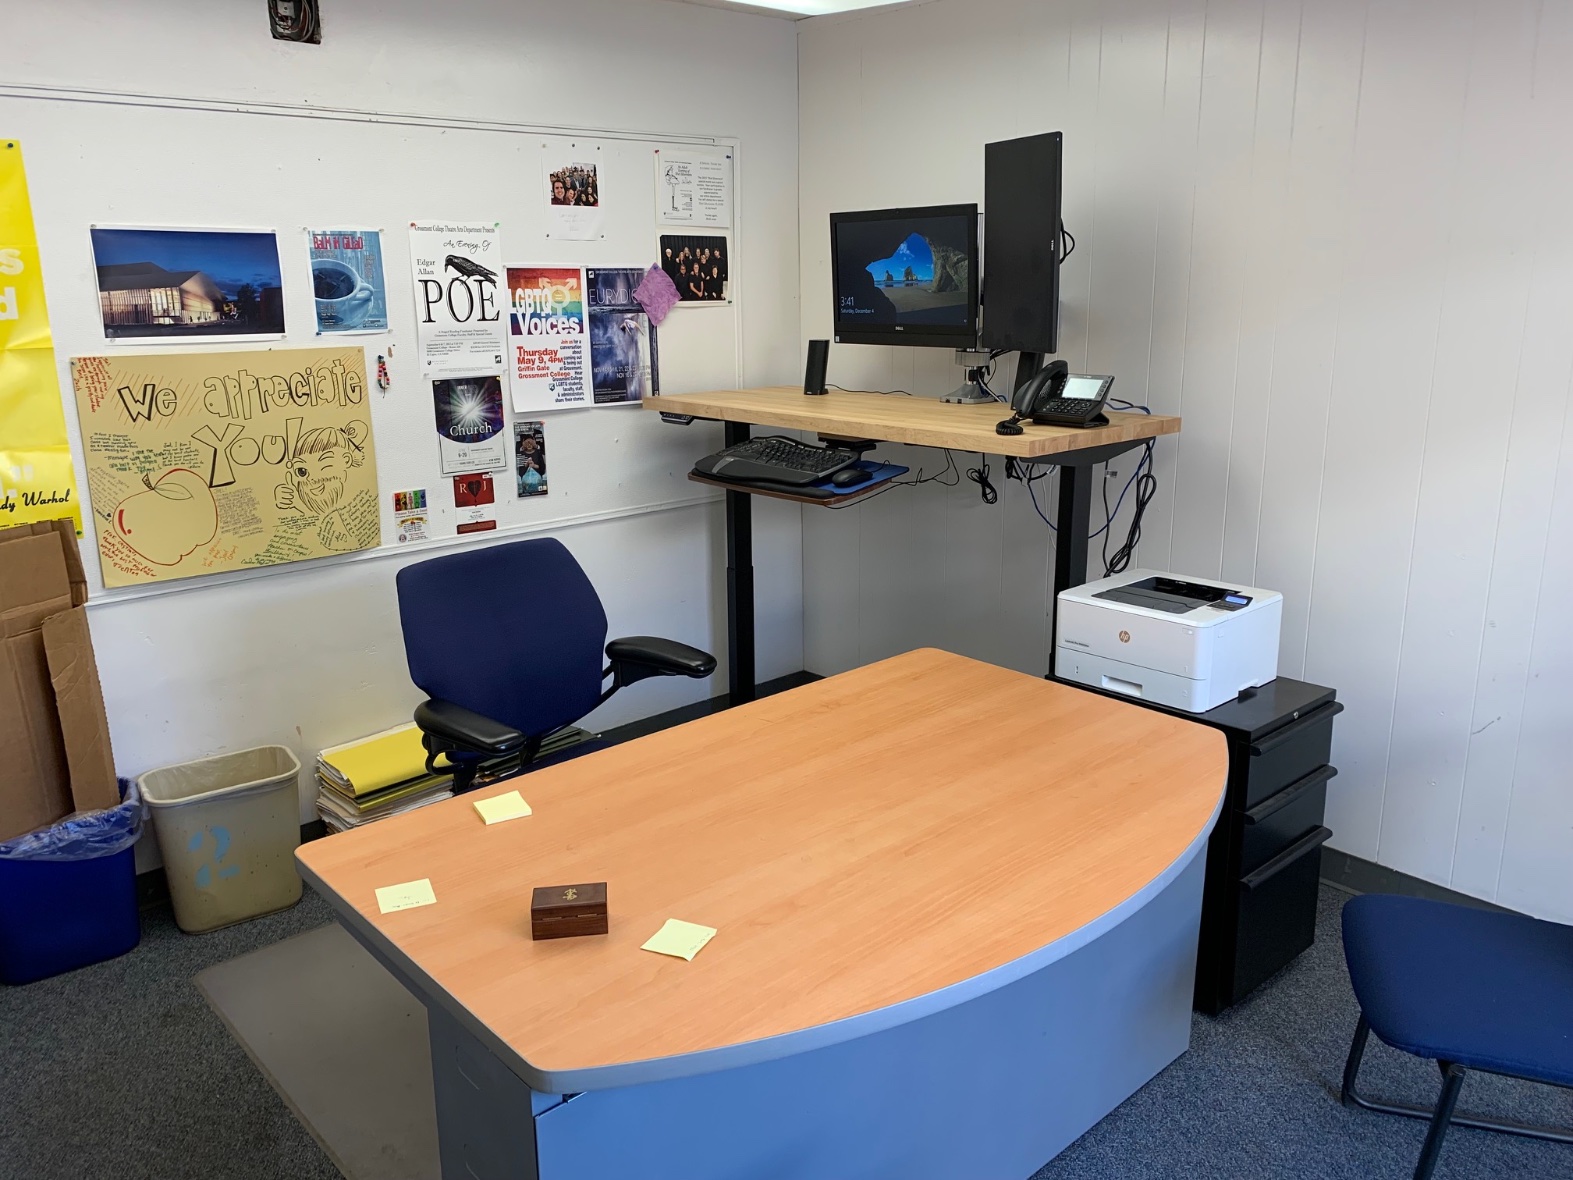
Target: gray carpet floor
column 122, row 1071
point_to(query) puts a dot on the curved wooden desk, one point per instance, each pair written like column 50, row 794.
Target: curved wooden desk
column 898, row 860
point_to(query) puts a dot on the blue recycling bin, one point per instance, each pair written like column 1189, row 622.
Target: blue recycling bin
column 68, row 893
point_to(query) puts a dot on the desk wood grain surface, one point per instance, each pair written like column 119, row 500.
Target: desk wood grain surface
column 920, row 421
column 857, row 842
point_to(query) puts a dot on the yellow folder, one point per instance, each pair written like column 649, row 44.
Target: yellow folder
column 379, row 761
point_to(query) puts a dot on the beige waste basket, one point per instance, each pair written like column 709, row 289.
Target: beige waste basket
column 227, row 829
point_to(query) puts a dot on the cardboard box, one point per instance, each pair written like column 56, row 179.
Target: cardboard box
column 55, row 756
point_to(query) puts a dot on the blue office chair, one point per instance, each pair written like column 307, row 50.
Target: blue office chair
column 507, row 641
column 1467, row 988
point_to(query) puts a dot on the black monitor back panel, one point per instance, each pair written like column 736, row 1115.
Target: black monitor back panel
column 1021, row 243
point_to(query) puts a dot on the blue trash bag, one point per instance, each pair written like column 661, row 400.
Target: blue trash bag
column 85, row 836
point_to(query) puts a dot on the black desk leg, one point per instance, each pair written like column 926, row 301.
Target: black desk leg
column 1072, row 523
column 739, row 585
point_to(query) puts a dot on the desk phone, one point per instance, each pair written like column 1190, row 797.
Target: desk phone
column 1058, row 397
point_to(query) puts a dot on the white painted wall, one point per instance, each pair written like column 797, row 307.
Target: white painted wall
column 310, row 655
column 1333, row 235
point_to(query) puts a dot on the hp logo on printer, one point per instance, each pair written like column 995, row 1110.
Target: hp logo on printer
column 1125, row 636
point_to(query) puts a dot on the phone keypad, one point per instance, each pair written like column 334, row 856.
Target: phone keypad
column 1075, row 407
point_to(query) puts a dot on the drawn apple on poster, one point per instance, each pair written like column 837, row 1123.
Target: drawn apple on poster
column 172, row 517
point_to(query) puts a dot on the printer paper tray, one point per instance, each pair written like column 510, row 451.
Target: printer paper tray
column 1133, row 680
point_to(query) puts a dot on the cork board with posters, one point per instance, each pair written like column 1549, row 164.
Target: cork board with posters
column 201, row 463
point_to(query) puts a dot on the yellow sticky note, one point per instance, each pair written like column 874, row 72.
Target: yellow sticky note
column 681, row 940
column 509, row 806
column 391, row 898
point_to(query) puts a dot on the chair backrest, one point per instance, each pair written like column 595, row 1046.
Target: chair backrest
column 515, row 632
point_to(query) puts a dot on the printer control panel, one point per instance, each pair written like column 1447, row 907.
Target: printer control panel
column 1176, row 597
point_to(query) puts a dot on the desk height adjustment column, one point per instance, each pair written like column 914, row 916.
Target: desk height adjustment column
column 1072, row 522
column 739, row 585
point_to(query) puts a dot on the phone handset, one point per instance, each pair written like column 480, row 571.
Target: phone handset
column 1042, row 387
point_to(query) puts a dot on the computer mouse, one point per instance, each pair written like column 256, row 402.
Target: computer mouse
column 848, row 476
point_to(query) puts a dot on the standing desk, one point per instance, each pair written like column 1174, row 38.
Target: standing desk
column 916, row 421
column 957, row 910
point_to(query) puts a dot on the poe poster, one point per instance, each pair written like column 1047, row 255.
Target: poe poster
column 458, row 301
column 622, row 338
column 36, row 479
column 548, row 368
column 348, row 280
column 470, row 431
column 200, row 463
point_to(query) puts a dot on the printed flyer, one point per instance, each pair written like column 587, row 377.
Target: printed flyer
column 572, row 191
column 470, row 424
column 529, row 457
column 697, row 266
column 475, row 500
column 198, row 286
column 547, row 339
column 36, row 480
column 347, row 278
column 458, row 306
column 693, row 188
column 623, row 356
column 200, row 463
column 410, row 517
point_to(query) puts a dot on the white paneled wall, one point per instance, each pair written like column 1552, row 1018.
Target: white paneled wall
column 1336, row 236
column 312, row 655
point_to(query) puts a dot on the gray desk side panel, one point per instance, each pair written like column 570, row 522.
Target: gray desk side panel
column 987, row 1090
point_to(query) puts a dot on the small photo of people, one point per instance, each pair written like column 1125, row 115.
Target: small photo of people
column 575, row 184
column 529, row 457
column 697, row 265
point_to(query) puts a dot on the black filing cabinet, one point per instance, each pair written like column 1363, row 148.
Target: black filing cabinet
column 1264, row 859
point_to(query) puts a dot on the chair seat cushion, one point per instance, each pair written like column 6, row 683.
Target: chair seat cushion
column 588, row 746
column 1483, row 989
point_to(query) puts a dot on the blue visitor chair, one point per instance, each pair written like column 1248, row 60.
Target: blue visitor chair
column 1469, row 989
column 508, row 643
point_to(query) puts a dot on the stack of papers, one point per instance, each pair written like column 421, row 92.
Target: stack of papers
column 374, row 763
column 377, row 776
column 385, row 774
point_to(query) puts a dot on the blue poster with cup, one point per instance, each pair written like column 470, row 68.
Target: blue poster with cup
column 348, row 280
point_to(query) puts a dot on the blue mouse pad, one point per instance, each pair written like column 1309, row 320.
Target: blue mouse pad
column 878, row 473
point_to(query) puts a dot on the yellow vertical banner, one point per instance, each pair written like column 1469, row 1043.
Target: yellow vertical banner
column 36, row 480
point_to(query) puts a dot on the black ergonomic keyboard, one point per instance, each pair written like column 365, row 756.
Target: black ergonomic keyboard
column 775, row 459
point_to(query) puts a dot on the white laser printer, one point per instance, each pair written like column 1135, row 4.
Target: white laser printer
column 1169, row 639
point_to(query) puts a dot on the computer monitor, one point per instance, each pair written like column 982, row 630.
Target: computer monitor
column 906, row 276
column 1023, row 243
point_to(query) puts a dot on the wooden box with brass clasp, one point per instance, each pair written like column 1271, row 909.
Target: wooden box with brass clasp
column 563, row 911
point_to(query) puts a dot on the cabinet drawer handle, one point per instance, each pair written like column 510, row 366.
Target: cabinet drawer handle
column 1288, row 795
column 1287, row 857
column 1289, row 732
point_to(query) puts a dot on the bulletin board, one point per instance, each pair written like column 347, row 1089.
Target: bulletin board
column 401, row 491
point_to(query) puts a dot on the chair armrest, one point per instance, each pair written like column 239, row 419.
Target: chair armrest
column 466, row 728
column 641, row 656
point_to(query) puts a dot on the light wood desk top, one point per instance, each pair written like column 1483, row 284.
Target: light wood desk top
column 919, row 421
column 860, row 842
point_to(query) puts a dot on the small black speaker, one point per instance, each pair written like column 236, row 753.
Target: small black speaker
column 818, row 361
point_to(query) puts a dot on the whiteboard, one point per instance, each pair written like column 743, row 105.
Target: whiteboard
column 192, row 165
